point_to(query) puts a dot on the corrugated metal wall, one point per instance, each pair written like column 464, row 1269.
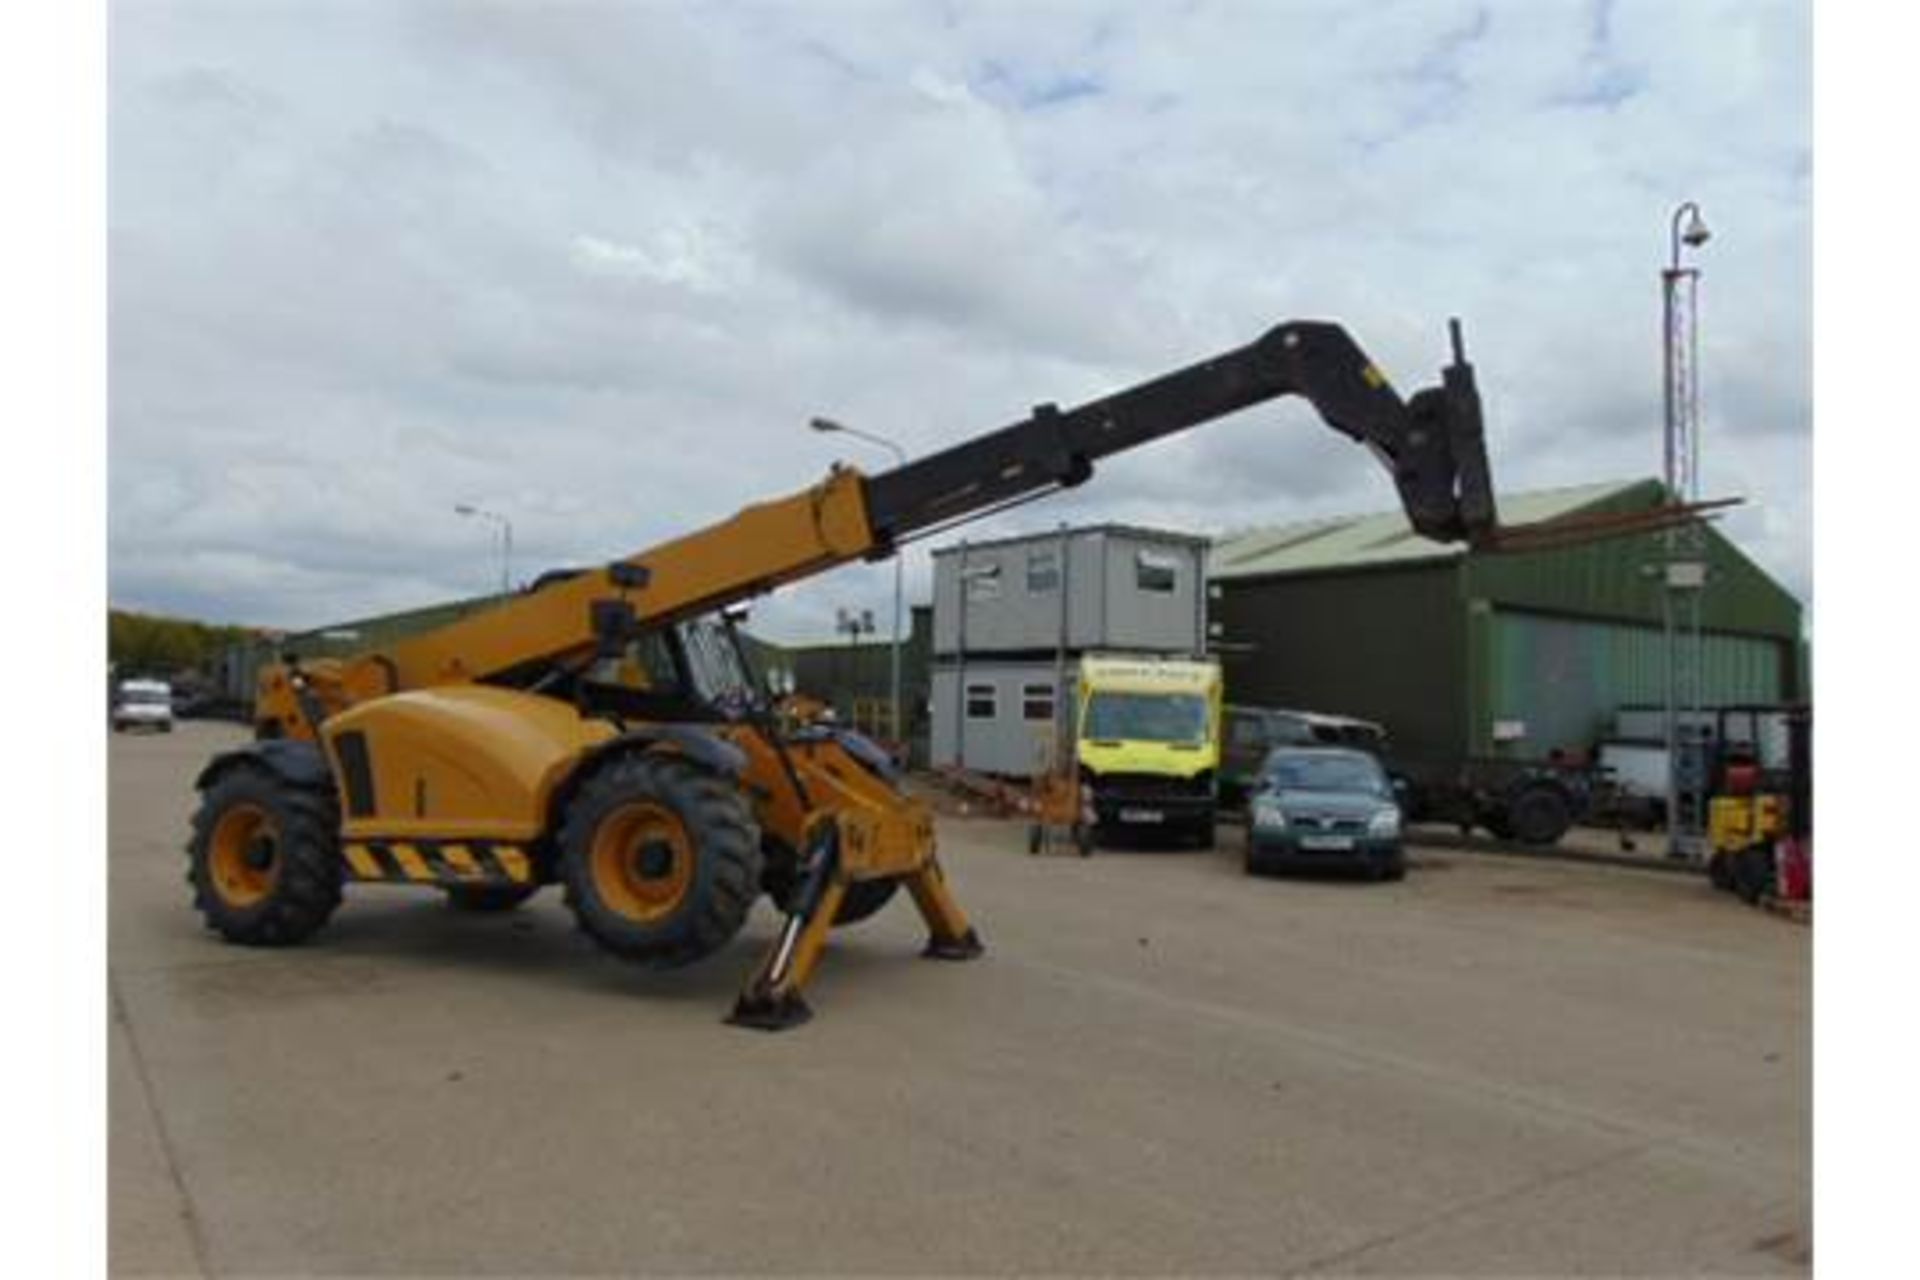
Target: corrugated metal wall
column 1563, row 678
column 1384, row 645
column 1614, row 578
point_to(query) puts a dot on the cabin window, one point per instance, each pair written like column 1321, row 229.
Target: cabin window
column 982, row 702
column 1155, row 572
column 1043, row 571
column 983, row 582
column 1036, row 702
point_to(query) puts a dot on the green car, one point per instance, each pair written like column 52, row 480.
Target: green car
column 1324, row 807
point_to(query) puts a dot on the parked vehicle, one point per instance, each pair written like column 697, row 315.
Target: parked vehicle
column 1149, row 742
column 143, row 704
column 1532, row 801
column 1324, row 806
column 1251, row 734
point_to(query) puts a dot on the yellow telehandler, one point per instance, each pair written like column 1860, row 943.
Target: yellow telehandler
column 603, row 730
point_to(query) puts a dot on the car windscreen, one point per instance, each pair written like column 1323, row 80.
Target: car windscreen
column 144, row 697
column 1118, row 716
column 1325, row 773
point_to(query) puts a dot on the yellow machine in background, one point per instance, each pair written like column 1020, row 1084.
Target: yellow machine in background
column 604, row 731
column 1759, row 777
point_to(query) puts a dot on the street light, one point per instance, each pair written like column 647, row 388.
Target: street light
column 506, row 540
column 1696, row 233
column 827, row 426
column 1685, row 568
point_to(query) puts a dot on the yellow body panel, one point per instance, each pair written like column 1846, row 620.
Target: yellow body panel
column 461, row 762
column 475, row 762
column 883, row 832
column 1738, row 822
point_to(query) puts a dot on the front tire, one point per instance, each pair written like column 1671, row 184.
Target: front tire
column 660, row 860
column 264, row 859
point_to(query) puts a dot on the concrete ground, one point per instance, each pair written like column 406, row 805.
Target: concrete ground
column 1161, row 1066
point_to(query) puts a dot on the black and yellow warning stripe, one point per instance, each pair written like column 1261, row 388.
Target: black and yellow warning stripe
column 438, row 861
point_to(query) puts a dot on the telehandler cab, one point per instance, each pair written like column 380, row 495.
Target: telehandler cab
column 603, row 730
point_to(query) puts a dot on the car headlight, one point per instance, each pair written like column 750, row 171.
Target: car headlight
column 1267, row 813
column 1385, row 822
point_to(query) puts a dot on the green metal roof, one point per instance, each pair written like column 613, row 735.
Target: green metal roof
column 1383, row 538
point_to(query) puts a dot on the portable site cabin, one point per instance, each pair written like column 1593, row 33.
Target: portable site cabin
column 1011, row 618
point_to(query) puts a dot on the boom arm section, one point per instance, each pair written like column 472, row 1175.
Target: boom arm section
column 1433, row 445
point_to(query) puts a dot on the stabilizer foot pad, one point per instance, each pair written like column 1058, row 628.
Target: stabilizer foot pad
column 763, row 1014
column 966, row 947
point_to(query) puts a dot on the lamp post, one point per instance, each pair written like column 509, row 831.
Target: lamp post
column 506, row 540
column 829, row 426
column 1684, row 572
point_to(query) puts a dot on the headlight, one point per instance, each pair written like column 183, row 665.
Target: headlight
column 1386, row 822
column 1266, row 813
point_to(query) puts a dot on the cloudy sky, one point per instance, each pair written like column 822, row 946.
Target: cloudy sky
column 594, row 265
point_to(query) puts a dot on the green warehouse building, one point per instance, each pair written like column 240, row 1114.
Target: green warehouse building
column 1465, row 653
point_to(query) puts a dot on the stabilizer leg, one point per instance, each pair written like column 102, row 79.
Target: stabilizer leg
column 772, row 999
column 949, row 935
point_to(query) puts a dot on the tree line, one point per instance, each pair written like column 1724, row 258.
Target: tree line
column 147, row 643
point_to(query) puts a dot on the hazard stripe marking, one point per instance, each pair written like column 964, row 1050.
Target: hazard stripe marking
column 431, row 862
column 389, row 865
column 460, row 862
column 412, row 863
column 432, row 855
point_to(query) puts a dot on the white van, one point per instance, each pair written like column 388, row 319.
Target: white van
column 143, row 704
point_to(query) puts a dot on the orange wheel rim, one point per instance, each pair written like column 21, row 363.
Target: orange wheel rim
column 243, row 857
column 642, row 861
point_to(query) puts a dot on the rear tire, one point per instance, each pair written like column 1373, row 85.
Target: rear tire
column 660, row 860
column 1540, row 815
column 264, row 859
column 489, row 898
